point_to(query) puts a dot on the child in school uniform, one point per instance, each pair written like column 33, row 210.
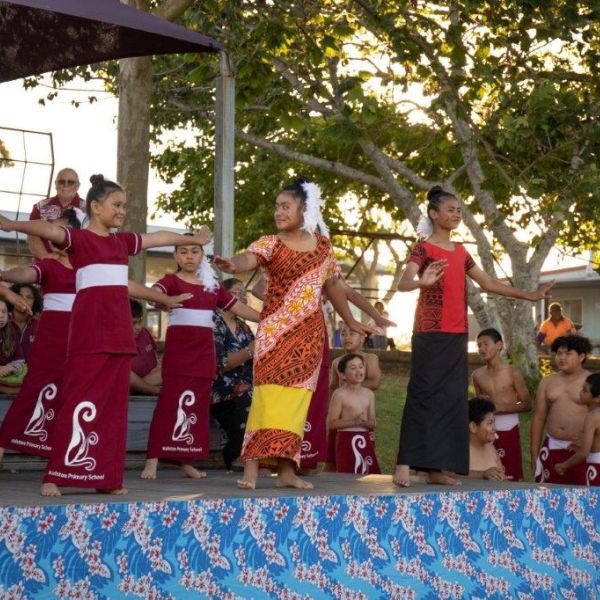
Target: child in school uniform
column 28, row 424
column 91, row 427
column 352, row 417
column 180, row 425
column 25, row 324
column 145, row 377
column 12, row 360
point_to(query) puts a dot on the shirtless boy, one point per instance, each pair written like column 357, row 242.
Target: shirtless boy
column 504, row 385
column 352, row 343
column 352, row 416
column 557, row 408
column 588, row 450
column 484, row 462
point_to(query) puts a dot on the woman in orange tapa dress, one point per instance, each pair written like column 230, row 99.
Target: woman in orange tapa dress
column 289, row 342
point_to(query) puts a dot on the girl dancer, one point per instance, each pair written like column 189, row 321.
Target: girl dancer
column 180, row 424
column 289, row 341
column 90, row 430
column 434, row 436
column 27, row 426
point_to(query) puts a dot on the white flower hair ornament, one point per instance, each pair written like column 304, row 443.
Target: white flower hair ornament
column 207, row 276
column 313, row 218
column 81, row 217
column 424, row 227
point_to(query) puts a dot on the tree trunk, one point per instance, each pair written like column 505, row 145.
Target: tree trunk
column 133, row 155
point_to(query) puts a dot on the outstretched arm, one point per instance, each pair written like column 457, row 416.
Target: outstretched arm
column 137, row 290
column 14, row 299
column 41, row 228
column 37, row 248
column 493, row 286
column 19, row 275
column 168, row 238
column 245, row 312
column 363, row 304
column 246, row 261
column 337, row 295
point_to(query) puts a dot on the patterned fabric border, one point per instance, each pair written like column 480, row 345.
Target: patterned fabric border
column 526, row 544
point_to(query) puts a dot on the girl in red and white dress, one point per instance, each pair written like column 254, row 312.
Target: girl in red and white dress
column 90, row 429
column 180, row 425
column 27, row 426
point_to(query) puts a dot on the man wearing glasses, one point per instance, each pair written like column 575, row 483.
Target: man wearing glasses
column 67, row 185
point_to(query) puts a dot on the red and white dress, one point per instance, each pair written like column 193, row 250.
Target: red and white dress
column 593, row 469
column 180, row 424
column 552, row 452
column 28, row 424
column 90, row 432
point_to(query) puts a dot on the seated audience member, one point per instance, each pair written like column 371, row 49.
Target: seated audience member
column 352, row 416
column 588, row 449
column 558, row 410
column 556, row 325
column 24, row 324
column 504, row 385
column 12, row 362
column 50, row 209
column 232, row 389
column 145, row 376
column 484, row 462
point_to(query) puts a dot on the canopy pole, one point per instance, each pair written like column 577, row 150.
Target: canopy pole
column 224, row 158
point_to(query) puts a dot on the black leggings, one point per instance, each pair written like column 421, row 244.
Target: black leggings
column 232, row 416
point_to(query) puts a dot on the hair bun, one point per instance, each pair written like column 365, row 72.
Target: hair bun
column 96, row 179
column 436, row 190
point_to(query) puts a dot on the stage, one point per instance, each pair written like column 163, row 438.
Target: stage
column 350, row 537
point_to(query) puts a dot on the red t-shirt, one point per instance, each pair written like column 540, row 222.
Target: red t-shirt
column 101, row 317
column 443, row 306
column 190, row 350
column 50, row 209
column 145, row 360
column 53, row 277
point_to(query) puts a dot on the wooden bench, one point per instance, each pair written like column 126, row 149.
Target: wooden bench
column 138, row 424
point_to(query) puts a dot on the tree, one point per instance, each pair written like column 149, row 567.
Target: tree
column 504, row 113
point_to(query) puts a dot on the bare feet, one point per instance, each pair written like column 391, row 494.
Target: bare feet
column 441, row 478
column 191, row 472
column 119, row 492
column 401, row 476
column 150, row 468
column 293, row 481
column 248, row 481
column 49, row 489
column 286, row 476
column 246, row 485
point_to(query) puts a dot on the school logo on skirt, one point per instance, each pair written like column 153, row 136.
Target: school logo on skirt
column 40, row 415
column 79, row 446
column 184, row 422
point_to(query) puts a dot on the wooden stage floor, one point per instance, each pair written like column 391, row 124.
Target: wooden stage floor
column 22, row 489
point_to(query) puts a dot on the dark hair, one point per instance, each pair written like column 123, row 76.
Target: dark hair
column 296, row 189
column 230, row 282
column 580, row 344
column 190, row 234
column 38, row 303
column 346, row 359
column 7, row 339
column 137, row 309
column 100, row 190
column 70, row 216
column 492, row 333
column 478, row 408
column 435, row 196
column 594, row 382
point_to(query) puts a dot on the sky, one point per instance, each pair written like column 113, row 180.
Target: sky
column 83, row 138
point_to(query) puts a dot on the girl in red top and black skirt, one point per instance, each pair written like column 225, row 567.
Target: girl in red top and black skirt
column 434, row 436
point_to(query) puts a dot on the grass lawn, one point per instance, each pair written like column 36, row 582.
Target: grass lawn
column 389, row 405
